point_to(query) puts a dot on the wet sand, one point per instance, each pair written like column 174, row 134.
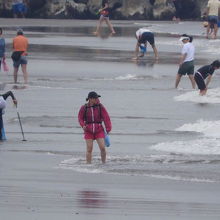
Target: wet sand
column 65, row 62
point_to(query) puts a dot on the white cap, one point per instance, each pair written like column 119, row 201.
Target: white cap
column 184, row 38
column 140, row 31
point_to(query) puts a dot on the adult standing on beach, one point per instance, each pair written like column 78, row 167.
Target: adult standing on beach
column 203, row 73
column 20, row 46
column 186, row 64
column 143, row 36
column 91, row 115
column 2, row 47
column 104, row 16
column 3, row 98
column 212, row 12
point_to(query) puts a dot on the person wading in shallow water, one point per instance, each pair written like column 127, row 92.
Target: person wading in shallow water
column 186, row 64
column 203, row 73
column 20, row 45
column 91, row 115
column 143, row 35
column 105, row 13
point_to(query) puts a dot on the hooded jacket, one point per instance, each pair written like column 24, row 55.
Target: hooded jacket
column 93, row 116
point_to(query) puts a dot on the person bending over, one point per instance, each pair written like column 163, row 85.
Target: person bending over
column 205, row 73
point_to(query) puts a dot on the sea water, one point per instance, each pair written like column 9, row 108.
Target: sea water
column 157, row 131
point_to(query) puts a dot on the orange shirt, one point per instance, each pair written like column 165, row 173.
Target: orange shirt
column 20, row 43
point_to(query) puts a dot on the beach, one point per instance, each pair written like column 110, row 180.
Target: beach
column 163, row 162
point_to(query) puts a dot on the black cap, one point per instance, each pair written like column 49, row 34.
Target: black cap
column 216, row 63
column 92, row 95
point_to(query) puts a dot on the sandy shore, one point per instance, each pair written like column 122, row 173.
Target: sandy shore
column 33, row 185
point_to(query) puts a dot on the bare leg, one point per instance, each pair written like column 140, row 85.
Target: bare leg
column 192, row 81
column 15, row 74
column 215, row 30
column 101, row 144
column 89, row 148
column 110, row 25
column 207, row 31
column 155, row 51
column 203, row 92
column 25, row 74
column 101, row 19
column 178, row 78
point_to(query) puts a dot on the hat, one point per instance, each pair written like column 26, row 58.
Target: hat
column 205, row 24
column 140, row 31
column 184, row 37
column 19, row 31
column 92, row 95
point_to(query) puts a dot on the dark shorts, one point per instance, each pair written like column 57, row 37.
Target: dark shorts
column 19, row 8
column 213, row 19
column 22, row 60
column 186, row 68
column 200, row 81
column 147, row 36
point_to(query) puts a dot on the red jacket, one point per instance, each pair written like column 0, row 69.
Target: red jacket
column 93, row 116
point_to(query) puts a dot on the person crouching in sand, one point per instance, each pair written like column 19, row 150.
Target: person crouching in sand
column 203, row 73
column 91, row 115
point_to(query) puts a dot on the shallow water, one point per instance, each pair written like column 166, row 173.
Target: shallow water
column 157, row 131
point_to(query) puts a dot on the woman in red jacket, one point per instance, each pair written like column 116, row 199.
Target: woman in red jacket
column 91, row 115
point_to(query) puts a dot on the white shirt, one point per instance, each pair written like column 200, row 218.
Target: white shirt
column 213, row 6
column 189, row 50
column 140, row 31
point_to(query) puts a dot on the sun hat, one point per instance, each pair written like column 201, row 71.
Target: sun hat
column 184, row 37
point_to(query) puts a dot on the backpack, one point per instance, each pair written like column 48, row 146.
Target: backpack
column 85, row 113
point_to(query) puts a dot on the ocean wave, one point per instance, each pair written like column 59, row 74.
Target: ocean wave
column 202, row 146
column 208, row 128
column 208, row 144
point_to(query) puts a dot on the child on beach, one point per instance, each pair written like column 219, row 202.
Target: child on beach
column 105, row 12
column 186, row 64
column 143, row 36
column 203, row 73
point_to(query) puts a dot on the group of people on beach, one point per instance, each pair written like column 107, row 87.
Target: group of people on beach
column 93, row 113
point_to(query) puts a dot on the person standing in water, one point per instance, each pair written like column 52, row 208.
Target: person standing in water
column 186, row 64
column 212, row 12
column 20, row 46
column 104, row 16
column 205, row 72
column 90, row 117
column 143, row 36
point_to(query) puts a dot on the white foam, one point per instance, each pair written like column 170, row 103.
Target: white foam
column 208, row 128
column 202, row 146
column 127, row 77
column 212, row 97
column 208, row 144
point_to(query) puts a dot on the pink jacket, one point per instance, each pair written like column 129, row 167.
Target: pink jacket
column 93, row 116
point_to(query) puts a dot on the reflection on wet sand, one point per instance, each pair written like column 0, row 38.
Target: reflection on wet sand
column 92, row 199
